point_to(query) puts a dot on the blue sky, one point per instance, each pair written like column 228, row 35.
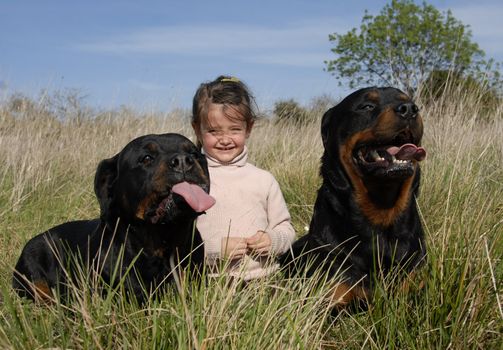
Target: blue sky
column 154, row 54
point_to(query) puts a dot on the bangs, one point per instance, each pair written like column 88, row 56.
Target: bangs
column 235, row 113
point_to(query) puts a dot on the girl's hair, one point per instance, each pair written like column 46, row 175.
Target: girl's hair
column 231, row 93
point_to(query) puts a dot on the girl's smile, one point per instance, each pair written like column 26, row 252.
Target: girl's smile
column 225, row 133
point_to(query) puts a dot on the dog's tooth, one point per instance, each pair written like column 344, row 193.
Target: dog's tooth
column 394, row 160
column 375, row 155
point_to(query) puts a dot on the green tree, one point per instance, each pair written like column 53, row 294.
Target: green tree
column 402, row 46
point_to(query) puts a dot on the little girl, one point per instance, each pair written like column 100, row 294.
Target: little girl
column 250, row 221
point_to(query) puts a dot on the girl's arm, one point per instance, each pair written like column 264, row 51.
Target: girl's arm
column 279, row 228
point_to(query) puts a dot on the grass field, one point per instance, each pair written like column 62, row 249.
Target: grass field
column 46, row 173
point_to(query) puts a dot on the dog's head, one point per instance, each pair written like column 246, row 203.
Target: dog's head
column 372, row 143
column 155, row 179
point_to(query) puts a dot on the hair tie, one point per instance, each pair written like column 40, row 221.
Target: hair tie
column 231, row 79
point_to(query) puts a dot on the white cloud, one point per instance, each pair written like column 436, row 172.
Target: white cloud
column 301, row 44
column 291, row 58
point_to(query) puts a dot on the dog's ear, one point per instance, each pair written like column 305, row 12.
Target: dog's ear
column 325, row 127
column 331, row 169
column 103, row 181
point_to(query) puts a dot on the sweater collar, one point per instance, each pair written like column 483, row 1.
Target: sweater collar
column 239, row 161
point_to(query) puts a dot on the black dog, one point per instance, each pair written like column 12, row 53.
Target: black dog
column 365, row 217
column 150, row 193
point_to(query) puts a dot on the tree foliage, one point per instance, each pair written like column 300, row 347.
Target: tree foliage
column 402, row 45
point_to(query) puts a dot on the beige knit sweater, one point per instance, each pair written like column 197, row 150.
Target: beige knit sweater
column 248, row 199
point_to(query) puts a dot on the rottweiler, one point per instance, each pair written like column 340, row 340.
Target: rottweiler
column 150, row 194
column 365, row 221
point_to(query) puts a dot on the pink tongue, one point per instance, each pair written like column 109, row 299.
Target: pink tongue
column 194, row 196
column 407, row 152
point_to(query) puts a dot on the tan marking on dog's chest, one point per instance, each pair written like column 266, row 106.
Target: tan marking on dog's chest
column 341, row 294
column 42, row 292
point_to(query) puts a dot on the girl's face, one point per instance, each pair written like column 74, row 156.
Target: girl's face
column 223, row 136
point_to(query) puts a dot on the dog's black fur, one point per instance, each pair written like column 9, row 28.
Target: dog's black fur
column 365, row 217
column 139, row 214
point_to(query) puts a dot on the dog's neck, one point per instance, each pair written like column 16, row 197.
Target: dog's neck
column 382, row 204
column 385, row 195
column 150, row 234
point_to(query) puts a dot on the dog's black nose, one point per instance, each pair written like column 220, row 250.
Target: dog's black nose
column 181, row 162
column 407, row 110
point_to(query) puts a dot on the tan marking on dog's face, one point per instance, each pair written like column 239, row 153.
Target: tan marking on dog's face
column 346, row 155
column 159, row 180
column 386, row 124
column 152, row 147
column 144, row 205
column 403, row 97
column 373, row 96
column 378, row 216
column 159, row 185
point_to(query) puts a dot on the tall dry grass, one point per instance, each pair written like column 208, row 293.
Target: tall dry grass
column 46, row 172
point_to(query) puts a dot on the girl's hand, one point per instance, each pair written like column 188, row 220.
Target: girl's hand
column 260, row 243
column 233, row 247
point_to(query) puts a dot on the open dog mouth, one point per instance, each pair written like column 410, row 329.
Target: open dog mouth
column 193, row 195
column 388, row 159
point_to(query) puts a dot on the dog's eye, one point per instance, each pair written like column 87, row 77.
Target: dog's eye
column 146, row 159
column 367, row 107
